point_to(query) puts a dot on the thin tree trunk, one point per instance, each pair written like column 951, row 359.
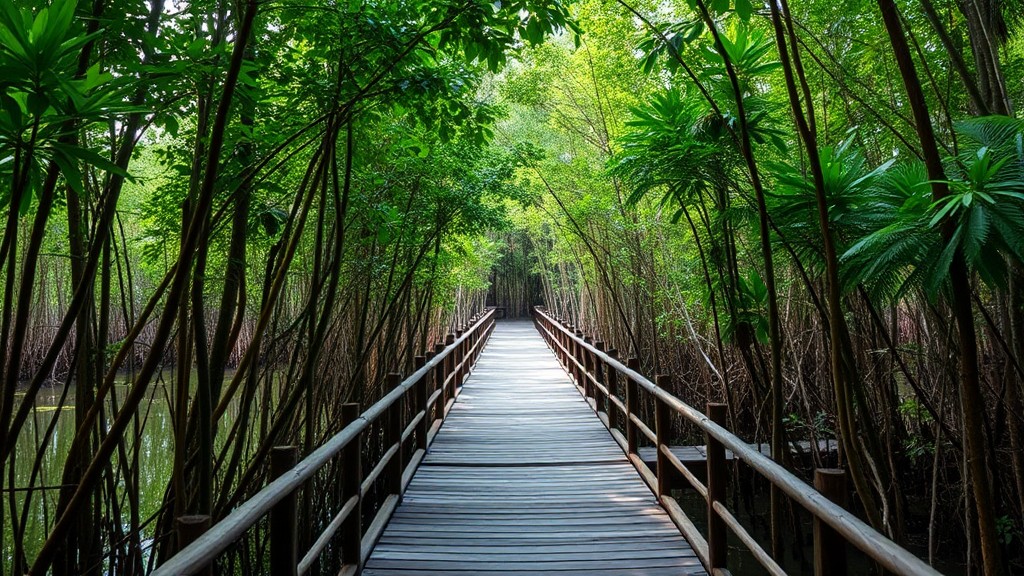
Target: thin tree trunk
column 971, row 399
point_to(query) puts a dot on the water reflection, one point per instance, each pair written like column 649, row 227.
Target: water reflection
column 152, row 450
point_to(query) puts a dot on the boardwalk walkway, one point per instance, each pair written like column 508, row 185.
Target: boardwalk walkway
column 524, row 479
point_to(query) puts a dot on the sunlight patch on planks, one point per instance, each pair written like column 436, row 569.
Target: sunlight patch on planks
column 523, row 479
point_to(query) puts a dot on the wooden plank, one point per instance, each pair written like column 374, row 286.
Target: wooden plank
column 523, row 479
column 585, row 555
column 501, row 571
column 468, row 564
column 658, row 542
column 666, row 544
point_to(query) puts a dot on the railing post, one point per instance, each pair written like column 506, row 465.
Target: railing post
column 351, row 484
column 284, row 533
column 663, row 431
column 449, row 368
column 588, row 370
column 421, row 404
column 393, row 437
column 580, row 365
column 438, row 376
column 600, row 404
column 632, row 389
column 555, row 337
column 478, row 344
column 570, row 349
column 717, row 484
column 563, row 338
column 460, row 360
column 829, row 547
column 189, row 529
column 611, row 380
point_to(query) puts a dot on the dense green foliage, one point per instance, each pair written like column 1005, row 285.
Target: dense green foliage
column 249, row 210
column 293, row 192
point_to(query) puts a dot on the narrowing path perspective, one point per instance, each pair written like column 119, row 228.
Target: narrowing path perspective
column 523, row 479
column 487, row 459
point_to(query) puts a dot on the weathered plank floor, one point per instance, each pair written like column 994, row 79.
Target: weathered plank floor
column 524, row 479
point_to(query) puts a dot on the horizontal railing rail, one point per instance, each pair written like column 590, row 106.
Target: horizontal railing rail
column 444, row 370
column 597, row 373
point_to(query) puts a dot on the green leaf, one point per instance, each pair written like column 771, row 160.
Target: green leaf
column 744, row 9
column 976, row 234
column 534, row 31
column 171, row 125
column 693, row 31
column 38, row 32
column 72, row 175
column 949, row 204
column 89, row 157
column 13, row 110
column 649, row 62
column 94, row 78
column 196, row 48
column 939, row 272
column 37, row 104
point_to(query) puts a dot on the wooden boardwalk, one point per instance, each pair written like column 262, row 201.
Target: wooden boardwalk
column 524, row 479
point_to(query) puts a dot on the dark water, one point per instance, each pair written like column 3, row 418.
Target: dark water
column 154, row 450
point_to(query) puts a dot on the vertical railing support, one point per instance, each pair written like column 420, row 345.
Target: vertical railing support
column 567, row 356
column 351, row 485
column 717, row 484
column 284, row 533
column 632, row 390
column 663, row 431
column 421, row 404
column 580, row 365
column 449, row 369
column 611, row 380
column 189, row 529
column 587, row 359
column 460, row 357
column 829, row 546
column 600, row 403
column 570, row 348
column 393, row 437
column 439, row 376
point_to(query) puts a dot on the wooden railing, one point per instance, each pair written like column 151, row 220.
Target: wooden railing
column 600, row 375
column 428, row 393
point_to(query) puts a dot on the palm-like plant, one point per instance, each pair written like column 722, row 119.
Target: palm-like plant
column 668, row 148
column 984, row 210
column 850, row 187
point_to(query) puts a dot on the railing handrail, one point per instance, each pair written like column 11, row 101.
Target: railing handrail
column 230, row 528
column 872, row 543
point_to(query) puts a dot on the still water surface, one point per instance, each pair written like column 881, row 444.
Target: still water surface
column 154, row 450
